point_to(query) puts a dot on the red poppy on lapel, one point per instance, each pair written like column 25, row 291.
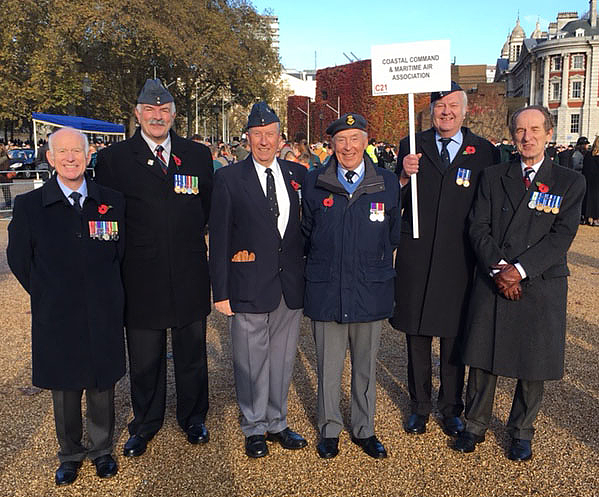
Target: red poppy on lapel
column 328, row 202
column 543, row 188
column 103, row 208
column 176, row 160
column 296, row 186
column 469, row 150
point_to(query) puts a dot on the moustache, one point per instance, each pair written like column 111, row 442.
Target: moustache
column 157, row 121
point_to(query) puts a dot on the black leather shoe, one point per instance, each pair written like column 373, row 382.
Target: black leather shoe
column 416, row 424
column 67, row 472
column 520, row 450
column 105, row 466
column 371, row 446
column 198, row 434
column 328, row 447
column 452, row 426
column 255, row 446
column 466, row 442
column 135, row 446
column 288, row 439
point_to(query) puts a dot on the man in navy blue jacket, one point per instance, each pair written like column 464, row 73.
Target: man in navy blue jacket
column 352, row 222
column 257, row 274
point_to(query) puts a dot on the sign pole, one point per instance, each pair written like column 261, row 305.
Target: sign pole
column 413, row 180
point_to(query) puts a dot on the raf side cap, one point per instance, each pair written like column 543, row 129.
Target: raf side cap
column 437, row 95
column 154, row 93
column 347, row 121
column 261, row 115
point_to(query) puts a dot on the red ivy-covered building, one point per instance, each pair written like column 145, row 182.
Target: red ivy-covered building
column 387, row 116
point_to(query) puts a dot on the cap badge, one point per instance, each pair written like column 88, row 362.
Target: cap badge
column 350, row 120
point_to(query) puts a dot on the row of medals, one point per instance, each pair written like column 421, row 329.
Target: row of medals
column 463, row 177
column 545, row 202
column 104, row 230
column 186, row 184
column 377, row 211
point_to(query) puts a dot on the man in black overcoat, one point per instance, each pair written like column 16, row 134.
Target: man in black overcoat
column 167, row 182
column 65, row 245
column 434, row 272
column 257, row 271
column 524, row 218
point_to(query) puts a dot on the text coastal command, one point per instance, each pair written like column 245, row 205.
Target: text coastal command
column 411, row 64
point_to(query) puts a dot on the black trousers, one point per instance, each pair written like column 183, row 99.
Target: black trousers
column 69, row 426
column 479, row 404
column 450, row 401
column 147, row 367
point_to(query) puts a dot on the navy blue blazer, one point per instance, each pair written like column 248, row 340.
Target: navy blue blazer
column 240, row 220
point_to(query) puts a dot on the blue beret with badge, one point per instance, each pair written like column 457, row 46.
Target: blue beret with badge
column 437, row 95
column 347, row 121
column 262, row 115
column 154, row 93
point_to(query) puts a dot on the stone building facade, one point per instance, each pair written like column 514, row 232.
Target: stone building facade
column 558, row 69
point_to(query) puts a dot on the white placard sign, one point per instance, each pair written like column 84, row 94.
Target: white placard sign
column 415, row 67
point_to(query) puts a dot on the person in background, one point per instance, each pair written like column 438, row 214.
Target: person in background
column 590, row 170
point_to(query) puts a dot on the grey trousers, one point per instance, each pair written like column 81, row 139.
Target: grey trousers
column 264, row 348
column 480, row 394
column 69, row 426
column 332, row 340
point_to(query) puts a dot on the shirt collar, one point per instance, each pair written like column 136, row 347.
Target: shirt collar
column 458, row 137
column 358, row 170
column 166, row 144
column 535, row 166
column 274, row 166
column 67, row 191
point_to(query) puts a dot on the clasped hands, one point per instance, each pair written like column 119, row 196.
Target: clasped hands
column 508, row 280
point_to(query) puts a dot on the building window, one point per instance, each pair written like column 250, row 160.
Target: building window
column 576, row 89
column 556, row 91
column 575, row 123
column 556, row 63
column 578, row 62
column 579, row 32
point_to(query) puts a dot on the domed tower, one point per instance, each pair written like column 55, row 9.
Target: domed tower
column 505, row 51
column 515, row 41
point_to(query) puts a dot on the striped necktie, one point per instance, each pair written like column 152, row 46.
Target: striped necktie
column 526, row 178
column 160, row 157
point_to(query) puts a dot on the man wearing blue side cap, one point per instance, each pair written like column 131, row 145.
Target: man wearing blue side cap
column 257, row 274
column 167, row 183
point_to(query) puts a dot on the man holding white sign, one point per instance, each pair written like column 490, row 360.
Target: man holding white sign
column 434, row 271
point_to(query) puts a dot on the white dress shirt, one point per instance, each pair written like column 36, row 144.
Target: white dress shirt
column 166, row 144
column 281, row 190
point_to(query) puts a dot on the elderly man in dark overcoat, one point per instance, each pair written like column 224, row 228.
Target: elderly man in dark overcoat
column 352, row 225
column 167, row 183
column 65, row 244
column 257, row 270
column 524, row 218
column 434, row 272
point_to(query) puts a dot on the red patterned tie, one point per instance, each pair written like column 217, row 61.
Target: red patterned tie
column 526, row 178
column 163, row 163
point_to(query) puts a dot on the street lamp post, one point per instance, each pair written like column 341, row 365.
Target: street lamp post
column 86, row 87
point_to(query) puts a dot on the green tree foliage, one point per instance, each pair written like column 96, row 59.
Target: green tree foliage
column 209, row 48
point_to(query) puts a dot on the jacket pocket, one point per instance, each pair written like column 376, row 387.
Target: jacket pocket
column 243, row 281
column 556, row 272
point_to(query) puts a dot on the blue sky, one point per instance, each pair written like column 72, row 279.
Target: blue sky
column 477, row 32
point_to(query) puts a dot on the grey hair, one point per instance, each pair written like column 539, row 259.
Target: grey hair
column 464, row 104
column 361, row 130
column 68, row 128
column 547, row 117
column 173, row 107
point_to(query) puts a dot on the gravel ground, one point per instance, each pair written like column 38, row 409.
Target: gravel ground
column 566, row 446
